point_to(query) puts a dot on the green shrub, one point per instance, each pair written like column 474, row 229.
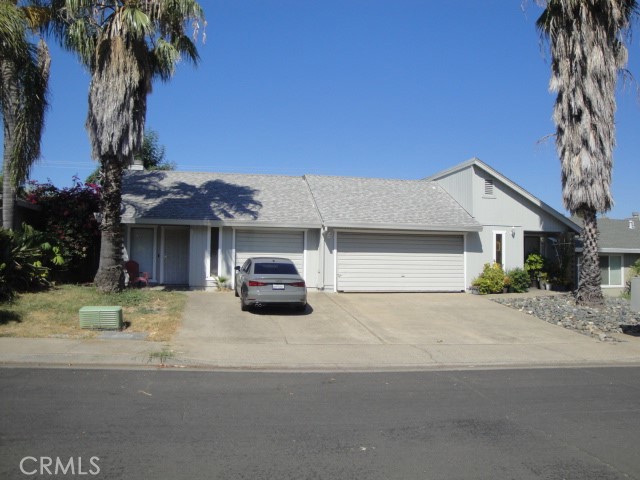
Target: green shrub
column 534, row 264
column 520, row 280
column 21, row 267
column 634, row 271
column 491, row 280
column 70, row 225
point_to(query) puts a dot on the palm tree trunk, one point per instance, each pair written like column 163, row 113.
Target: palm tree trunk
column 110, row 276
column 9, row 114
column 589, row 290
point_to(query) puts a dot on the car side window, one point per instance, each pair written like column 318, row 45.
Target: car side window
column 247, row 266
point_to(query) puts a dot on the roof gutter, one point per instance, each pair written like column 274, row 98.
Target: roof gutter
column 408, row 227
column 218, row 223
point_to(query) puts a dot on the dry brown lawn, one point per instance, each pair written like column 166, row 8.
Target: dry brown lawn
column 54, row 313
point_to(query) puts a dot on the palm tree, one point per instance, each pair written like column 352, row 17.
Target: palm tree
column 587, row 52
column 24, row 74
column 125, row 44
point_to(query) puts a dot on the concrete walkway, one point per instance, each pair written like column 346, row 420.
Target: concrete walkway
column 340, row 332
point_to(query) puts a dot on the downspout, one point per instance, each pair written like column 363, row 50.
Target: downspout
column 323, row 235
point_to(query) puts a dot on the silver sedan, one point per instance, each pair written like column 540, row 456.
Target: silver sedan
column 270, row 280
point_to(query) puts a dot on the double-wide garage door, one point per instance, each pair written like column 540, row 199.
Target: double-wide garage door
column 254, row 243
column 399, row 263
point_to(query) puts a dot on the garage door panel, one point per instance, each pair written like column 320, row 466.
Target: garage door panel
column 392, row 262
column 255, row 243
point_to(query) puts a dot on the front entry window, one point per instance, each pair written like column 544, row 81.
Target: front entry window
column 213, row 255
column 498, row 248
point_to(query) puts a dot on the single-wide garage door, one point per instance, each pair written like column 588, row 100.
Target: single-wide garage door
column 399, row 263
column 254, row 243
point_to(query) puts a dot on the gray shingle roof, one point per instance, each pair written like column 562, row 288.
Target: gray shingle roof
column 310, row 201
column 382, row 203
column 192, row 197
column 617, row 234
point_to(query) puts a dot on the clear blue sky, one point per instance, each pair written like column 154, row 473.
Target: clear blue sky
column 374, row 88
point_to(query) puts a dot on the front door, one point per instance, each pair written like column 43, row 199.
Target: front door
column 175, row 255
column 142, row 248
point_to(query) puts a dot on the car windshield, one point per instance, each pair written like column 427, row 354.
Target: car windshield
column 275, row 269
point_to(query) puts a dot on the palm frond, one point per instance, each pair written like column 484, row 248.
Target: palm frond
column 32, row 105
column 14, row 44
column 129, row 21
column 586, row 39
column 37, row 16
column 81, row 37
column 117, row 98
column 165, row 57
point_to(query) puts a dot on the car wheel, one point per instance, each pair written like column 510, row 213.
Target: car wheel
column 243, row 306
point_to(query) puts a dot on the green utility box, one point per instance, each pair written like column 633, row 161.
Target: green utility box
column 106, row 318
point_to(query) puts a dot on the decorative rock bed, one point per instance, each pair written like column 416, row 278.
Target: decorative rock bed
column 615, row 317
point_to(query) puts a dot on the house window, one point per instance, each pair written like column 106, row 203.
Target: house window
column 488, row 187
column 213, row 252
column 498, row 248
column 611, row 270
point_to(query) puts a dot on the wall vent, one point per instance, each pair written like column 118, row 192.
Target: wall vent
column 488, row 186
column 107, row 318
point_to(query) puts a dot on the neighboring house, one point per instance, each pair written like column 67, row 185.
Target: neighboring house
column 343, row 233
column 618, row 249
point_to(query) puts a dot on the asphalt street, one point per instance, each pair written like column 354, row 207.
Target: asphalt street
column 581, row 423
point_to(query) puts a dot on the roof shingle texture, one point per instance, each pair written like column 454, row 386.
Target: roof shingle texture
column 371, row 201
column 617, row 234
column 197, row 196
column 278, row 200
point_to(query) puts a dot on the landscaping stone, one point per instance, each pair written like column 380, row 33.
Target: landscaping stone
column 615, row 317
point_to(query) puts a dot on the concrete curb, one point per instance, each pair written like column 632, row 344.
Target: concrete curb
column 267, row 357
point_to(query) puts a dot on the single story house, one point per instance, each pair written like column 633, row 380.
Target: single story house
column 618, row 249
column 343, row 233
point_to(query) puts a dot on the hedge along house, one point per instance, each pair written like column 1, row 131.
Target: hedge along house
column 343, row 233
column 514, row 222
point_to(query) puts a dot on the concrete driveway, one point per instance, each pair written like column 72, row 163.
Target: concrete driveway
column 356, row 319
column 372, row 331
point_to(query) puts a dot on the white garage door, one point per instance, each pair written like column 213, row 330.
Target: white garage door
column 400, row 263
column 254, row 243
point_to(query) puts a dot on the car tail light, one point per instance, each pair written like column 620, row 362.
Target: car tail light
column 253, row 283
column 297, row 284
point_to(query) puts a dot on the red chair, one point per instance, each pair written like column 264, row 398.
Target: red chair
column 136, row 277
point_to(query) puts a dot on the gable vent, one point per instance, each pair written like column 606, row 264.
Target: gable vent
column 488, row 186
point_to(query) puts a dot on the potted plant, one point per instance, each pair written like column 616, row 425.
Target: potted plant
column 507, row 284
column 534, row 265
column 543, row 278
